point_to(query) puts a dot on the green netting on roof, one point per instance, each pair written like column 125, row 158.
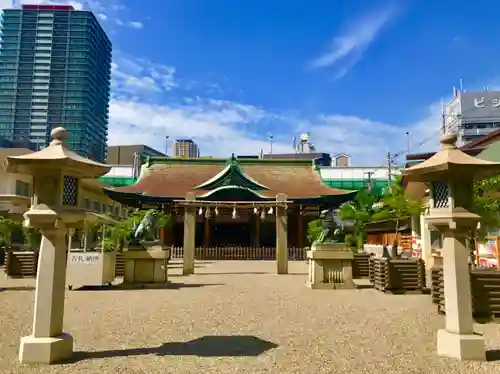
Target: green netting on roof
column 378, row 186
column 118, row 181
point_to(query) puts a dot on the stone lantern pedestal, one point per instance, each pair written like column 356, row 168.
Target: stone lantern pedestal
column 56, row 173
column 450, row 174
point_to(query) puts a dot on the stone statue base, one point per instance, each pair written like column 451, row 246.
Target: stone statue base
column 146, row 266
column 330, row 266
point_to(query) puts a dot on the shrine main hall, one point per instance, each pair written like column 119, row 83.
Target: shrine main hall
column 232, row 202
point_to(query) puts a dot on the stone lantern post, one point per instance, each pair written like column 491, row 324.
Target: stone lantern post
column 450, row 174
column 57, row 174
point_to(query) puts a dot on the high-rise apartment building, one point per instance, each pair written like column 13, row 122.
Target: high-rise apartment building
column 186, row 148
column 55, row 70
column 473, row 114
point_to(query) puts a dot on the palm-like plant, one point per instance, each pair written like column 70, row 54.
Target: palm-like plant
column 395, row 205
column 358, row 211
column 314, row 229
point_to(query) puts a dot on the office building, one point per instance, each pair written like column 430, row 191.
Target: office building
column 55, row 68
column 473, row 114
column 186, row 148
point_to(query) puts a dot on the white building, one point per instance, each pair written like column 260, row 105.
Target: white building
column 473, row 114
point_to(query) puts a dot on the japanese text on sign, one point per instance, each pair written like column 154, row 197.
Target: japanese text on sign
column 85, row 259
column 482, row 103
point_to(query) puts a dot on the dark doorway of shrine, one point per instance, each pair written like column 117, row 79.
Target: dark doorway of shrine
column 238, row 234
column 229, row 234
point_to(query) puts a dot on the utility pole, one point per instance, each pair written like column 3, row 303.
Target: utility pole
column 369, row 174
column 389, row 167
column 408, row 144
column 271, row 136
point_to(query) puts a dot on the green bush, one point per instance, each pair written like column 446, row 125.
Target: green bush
column 351, row 241
column 314, row 229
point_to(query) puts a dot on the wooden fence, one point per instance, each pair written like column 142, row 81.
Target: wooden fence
column 2, row 256
column 21, row 264
column 485, row 291
column 361, row 265
column 239, row 253
column 119, row 265
column 397, row 276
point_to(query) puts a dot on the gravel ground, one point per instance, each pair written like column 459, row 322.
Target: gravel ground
column 239, row 317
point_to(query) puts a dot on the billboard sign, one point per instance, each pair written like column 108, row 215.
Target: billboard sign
column 480, row 106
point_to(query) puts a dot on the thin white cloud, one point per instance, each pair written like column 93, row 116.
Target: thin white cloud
column 135, row 24
column 139, row 76
column 348, row 48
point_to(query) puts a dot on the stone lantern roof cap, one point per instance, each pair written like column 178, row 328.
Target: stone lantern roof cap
column 451, row 163
column 56, row 156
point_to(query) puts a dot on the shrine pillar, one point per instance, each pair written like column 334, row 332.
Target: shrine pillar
column 281, row 236
column 189, row 235
column 300, row 229
column 207, row 232
column 256, row 236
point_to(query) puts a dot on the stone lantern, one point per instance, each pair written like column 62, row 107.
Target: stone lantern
column 450, row 174
column 57, row 173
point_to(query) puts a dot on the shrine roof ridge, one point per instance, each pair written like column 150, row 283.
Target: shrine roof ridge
column 156, row 160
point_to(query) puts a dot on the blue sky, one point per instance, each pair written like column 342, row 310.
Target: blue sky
column 357, row 74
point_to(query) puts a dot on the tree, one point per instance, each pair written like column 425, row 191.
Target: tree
column 486, row 203
column 7, row 227
column 394, row 204
column 32, row 237
column 13, row 230
column 360, row 212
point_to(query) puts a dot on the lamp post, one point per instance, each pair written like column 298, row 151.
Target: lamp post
column 271, row 137
column 450, row 174
column 57, row 174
